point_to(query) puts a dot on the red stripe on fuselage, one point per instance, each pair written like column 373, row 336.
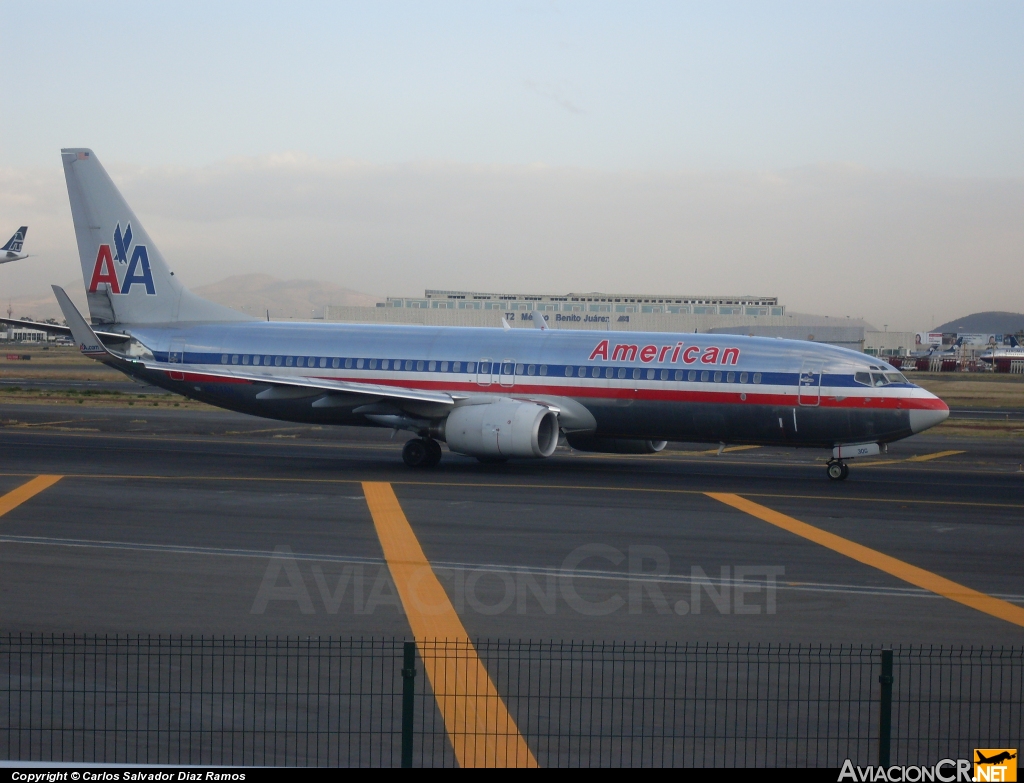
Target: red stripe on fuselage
column 666, row 395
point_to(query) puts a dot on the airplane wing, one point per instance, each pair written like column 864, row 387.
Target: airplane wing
column 289, row 386
column 57, row 328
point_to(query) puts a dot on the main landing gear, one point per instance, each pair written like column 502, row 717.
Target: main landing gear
column 422, row 453
column 838, row 470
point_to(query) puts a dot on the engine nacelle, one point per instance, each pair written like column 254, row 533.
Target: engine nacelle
column 502, row 429
column 583, row 442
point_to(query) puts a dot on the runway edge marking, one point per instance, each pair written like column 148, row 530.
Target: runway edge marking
column 890, row 565
column 482, row 731
column 26, row 491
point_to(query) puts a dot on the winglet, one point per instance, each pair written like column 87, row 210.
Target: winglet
column 539, row 321
column 88, row 343
column 505, row 324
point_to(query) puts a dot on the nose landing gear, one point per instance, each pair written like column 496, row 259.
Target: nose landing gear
column 422, row 453
column 837, row 470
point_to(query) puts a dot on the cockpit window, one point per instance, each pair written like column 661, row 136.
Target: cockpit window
column 879, row 379
column 896, row 377
column 863, row 377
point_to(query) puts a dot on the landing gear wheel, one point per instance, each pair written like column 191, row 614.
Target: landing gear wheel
column 837, row 471
column 434, row 453
column 421, row 453
column 415, row 453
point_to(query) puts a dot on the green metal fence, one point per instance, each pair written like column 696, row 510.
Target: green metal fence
column 356, row 702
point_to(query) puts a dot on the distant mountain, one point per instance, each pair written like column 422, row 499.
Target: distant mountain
column 253, row 294
column 303, row 299
column 992, row 322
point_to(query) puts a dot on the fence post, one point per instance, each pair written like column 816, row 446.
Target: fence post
column 408, row 700
column 885, row 710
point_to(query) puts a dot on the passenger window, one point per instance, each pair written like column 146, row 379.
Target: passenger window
column 622, row 372
column 256, row 360
column 679, row 375
column 730, row 377
column 301, row 361
column 520, row 369
column 568, row 371
column 636, row 374
column 718, row 377
column 289, row 361
column 277, row 361
column 373, row 364
column 650, row 375
column 704, row 376
column 484, row 367
column 444, row 366
column 595, row 373
column 223, row 358
column 531, row 370
column 385, row 364
column 582, row 372
column 245, row 359
column 543, row 369
column 335, row 363
column 348, row 364
column 234, row 358
column 408, row 364
column 323, row 361
column 506, row 368
column 470, row 367
column 691, row 375
column 878, row 379
column 432, row 367
column 757, row 377
column 419, row 366
column 608, row 372
column 743, row 377
column 862, row 377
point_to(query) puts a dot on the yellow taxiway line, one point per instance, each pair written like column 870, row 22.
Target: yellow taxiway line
column 936, row 455
column 890, row 565
column 481, row 730
column 922, row 458
column 26, row 491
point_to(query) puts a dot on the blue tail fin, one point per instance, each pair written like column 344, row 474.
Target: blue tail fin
column 14, row 243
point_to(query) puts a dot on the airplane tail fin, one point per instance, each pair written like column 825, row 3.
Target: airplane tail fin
column 1014, row 342
column 126, row 278
column 14, row 243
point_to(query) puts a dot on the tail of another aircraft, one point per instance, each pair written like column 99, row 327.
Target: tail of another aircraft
column 126, row 278
column 14, row 243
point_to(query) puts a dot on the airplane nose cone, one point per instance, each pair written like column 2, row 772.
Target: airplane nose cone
column 924, row 418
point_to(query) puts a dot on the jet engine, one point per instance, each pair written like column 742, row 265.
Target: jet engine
column 502, row 429
column 584, row 442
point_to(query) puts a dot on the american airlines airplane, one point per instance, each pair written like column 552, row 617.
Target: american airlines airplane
column 489, row 393
column 12, row 250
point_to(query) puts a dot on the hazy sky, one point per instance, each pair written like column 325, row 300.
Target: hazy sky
column 722, row 147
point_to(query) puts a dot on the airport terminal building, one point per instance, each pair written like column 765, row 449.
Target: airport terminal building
column 735, row 314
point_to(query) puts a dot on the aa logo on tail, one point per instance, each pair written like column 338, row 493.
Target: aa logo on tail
column 136, row 271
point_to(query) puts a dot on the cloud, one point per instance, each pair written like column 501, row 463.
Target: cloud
column 906, row 250
column 554, row 93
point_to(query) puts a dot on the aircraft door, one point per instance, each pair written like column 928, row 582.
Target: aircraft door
column 176, row 353
column 483, row 374
column 809, row 385
column 508, row 372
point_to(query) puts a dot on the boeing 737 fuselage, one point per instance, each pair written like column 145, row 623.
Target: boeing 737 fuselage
column 493, row 394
